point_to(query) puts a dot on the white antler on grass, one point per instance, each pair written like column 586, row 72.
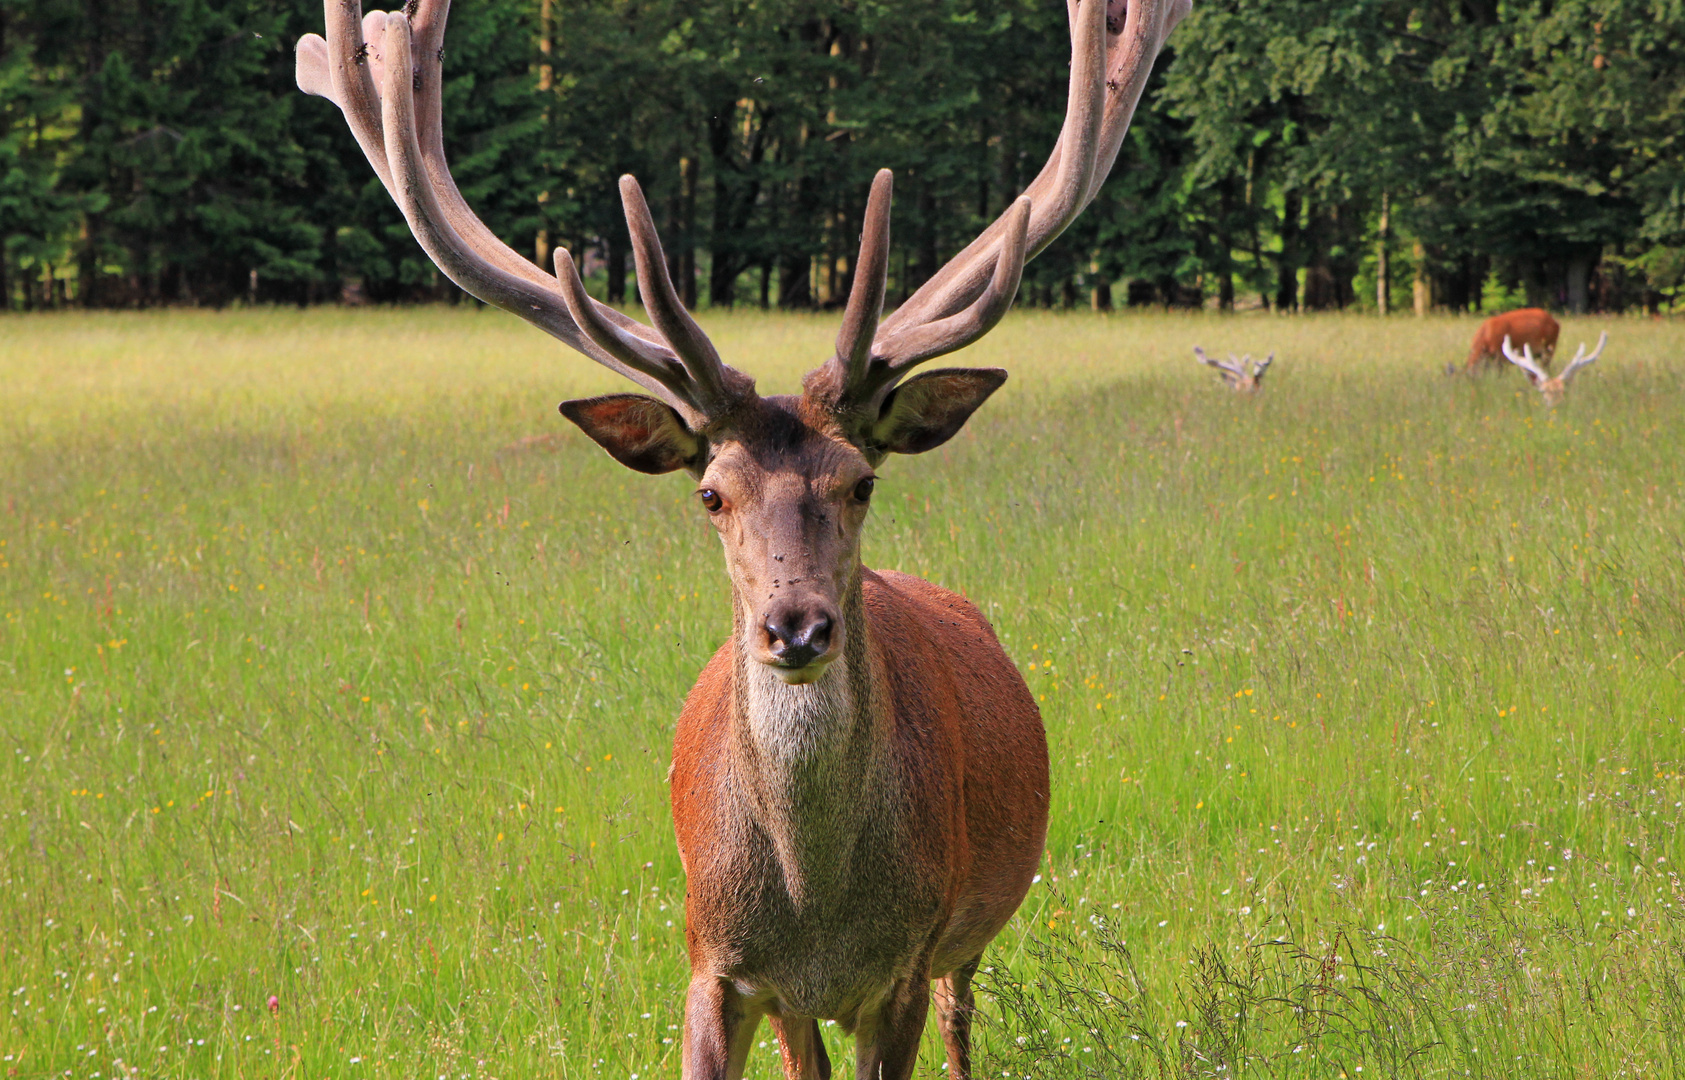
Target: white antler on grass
column 1553, row 389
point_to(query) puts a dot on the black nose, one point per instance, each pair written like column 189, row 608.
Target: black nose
column 796, row 637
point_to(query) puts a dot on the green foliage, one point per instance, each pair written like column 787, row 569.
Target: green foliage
column 37, row 125
column 157, row 151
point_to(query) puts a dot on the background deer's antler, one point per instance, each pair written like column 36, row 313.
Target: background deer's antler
column 1231, row 369
column 1524, row 360
column 1581, row 359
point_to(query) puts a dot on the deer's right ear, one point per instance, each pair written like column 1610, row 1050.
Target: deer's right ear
column 639, row 432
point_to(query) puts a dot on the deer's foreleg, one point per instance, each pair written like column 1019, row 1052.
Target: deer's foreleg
column 802, row 1048
column 954, row 1008
column 719, row 1027
column 889, row 1048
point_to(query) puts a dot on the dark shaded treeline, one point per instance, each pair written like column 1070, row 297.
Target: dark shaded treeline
column 1300, row 154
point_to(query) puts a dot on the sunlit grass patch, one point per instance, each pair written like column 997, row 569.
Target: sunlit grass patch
column 338, row 669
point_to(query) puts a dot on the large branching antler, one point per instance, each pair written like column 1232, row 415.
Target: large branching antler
column 384, row 74
column 1231, row 369
column 1524, row 360
column 1113, row 46
column 1581, row 359
column 1240, row 373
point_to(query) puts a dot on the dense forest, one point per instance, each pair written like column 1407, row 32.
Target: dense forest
column 1294, row 154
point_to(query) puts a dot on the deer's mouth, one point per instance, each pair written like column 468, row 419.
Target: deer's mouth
column 809, row 672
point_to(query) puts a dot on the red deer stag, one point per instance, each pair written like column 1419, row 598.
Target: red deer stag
column 1553, row 389
column 859, row 780
column 1243, row 376
column 1526, row 327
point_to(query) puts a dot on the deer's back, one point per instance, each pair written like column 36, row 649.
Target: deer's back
column 1527, row 326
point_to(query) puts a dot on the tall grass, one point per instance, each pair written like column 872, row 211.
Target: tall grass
column 337, row 669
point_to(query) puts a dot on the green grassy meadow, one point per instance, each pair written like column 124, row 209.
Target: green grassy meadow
column 336, row 667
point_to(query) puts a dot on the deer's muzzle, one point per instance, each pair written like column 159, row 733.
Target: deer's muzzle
column 800, row 640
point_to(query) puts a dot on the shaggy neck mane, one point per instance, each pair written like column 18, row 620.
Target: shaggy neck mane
column 804, row 753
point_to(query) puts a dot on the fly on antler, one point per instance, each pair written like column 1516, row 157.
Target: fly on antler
column 1553, row 388
column 859, row 779
column 1243, row 375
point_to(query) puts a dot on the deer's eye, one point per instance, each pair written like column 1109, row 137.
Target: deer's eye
column 711, row 500
column 863, row 490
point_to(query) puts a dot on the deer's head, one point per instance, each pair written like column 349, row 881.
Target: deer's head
column 1553, row 388
column 786, row 481
column 1244, row 376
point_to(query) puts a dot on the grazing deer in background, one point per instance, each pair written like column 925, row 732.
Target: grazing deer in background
column 860, row 779
column 1553, row 389
column 1527, row 327
column 1240, row 377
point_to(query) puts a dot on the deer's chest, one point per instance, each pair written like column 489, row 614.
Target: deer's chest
column 822, row 913
column 821, row 849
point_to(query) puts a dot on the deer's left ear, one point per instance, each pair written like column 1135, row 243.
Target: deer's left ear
column 929, row 409
column 639, row 432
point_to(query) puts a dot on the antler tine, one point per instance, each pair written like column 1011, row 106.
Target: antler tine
column 1220, row 365
column 1261, row 366
column 889, row 358
column 1581, row 359
column 718, row 386
column 368, row 66
column 1056, row 193
column 428, row 25
column 338, row 68
column 1139, row 40
column 1107, row 78
column 1524, row 360
column 413, row 190
column 914, row 345
column 628, row 348
column 871, row 279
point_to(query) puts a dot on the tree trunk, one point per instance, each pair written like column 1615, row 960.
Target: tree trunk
column 1535, row 281
column 687, row 231
column 722, row 237
column 541, row 241
column 93, row 27
column 926, row 264
column 1345, row 232
column 795, row 290
column 1383, row 282
column 722, row 271
column 616, row 260
column 1225, row 245
column 1287, row 267
column 1421, row 289
column 1319, row 277
column 1579, row 279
